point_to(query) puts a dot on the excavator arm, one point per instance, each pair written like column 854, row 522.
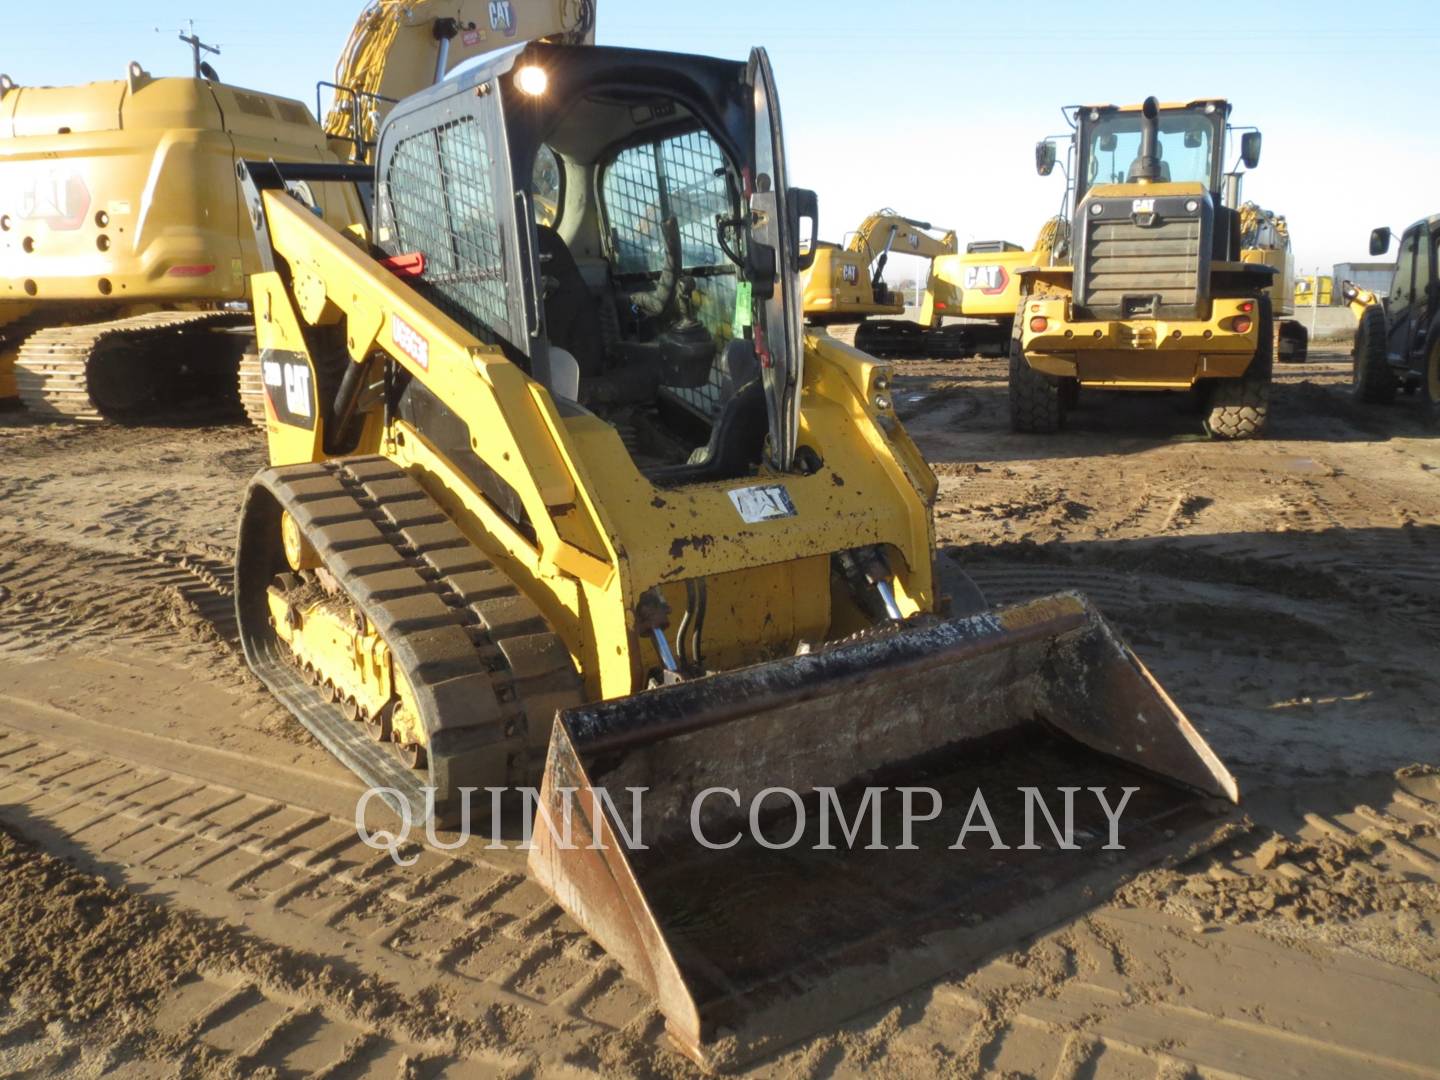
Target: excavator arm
column 398, row 47
column 885, row 231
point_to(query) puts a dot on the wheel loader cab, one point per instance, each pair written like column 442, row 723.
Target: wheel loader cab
column 629, row 241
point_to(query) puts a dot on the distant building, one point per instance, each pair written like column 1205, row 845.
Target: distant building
column 1374, row 276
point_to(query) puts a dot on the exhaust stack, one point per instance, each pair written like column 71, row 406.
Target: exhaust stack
column 1146, row 169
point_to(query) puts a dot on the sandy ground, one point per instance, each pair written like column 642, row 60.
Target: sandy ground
column 181, row 892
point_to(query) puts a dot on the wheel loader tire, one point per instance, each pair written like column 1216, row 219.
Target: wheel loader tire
column 1373, row 382
column 1292, row 342
column 1430, row 384
column 1069, row 394
column 1240, row 407
column 1037, row 405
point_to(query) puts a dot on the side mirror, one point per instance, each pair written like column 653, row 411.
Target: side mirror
column 1108, row 142
column 1044, row 157
column 1193, row 139
column 1250, row 149
column 804, row 204
column 1380, row 240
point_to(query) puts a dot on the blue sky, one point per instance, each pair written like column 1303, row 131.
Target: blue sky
column 932, row 106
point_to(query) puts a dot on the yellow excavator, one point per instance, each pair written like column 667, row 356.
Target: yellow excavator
column 573, row 499
column 1157, row 293
column 123, row 252
column 847, row 285
column 982, row 287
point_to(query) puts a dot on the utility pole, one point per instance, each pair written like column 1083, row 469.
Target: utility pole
column 197, row 47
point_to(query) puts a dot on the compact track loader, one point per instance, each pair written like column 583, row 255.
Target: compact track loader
column 581, row 504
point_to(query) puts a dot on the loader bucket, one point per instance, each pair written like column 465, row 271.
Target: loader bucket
column 751, row 947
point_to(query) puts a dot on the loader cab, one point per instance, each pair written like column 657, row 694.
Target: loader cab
column 1149, row 183
column 1412, row 308
column 594, row 222
column 1190, row 141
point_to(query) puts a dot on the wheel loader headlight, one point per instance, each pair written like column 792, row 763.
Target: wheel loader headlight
column 1191, row 206
column 532, row 80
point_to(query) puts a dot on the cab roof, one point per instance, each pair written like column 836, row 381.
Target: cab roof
column 1220, row 104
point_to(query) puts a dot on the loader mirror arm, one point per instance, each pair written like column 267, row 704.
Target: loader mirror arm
column 805, row 204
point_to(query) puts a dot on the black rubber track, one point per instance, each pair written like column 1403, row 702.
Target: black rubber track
column 486, row 673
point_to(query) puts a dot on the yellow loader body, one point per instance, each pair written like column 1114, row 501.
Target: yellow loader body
column 458, row 572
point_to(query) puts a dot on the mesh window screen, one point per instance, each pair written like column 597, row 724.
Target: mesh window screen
column 441, row 201
column 681, row 177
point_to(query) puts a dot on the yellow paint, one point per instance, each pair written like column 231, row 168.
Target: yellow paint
column 142, row 181
column 600, row 534
column 1156, row 354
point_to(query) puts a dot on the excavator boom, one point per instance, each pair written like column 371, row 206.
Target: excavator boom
column 399, row 47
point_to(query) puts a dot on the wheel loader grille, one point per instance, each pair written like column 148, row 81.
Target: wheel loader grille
column 440, row 200
column 1143, row 258
column 683, row 177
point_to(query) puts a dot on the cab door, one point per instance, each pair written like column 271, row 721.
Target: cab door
column 1426, row 305
column 1400, row 304
column 775, row 210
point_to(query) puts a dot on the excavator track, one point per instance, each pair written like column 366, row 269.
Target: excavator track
column 110, row 370
column 251, row 388
column 11, row 336
column 484, row 672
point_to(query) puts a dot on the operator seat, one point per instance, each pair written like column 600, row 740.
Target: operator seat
column 572, row 317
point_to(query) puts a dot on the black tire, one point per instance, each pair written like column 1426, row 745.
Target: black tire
column 1069, row 394
column 1430, row 378
column 1292, row 342
column 1372, row 382
column 1240, row 407
column 1036, row 404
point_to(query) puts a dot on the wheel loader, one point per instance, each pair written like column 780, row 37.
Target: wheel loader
column 579, row 503
column 1158, row 294
column 123, row 252
column 1397, row 337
